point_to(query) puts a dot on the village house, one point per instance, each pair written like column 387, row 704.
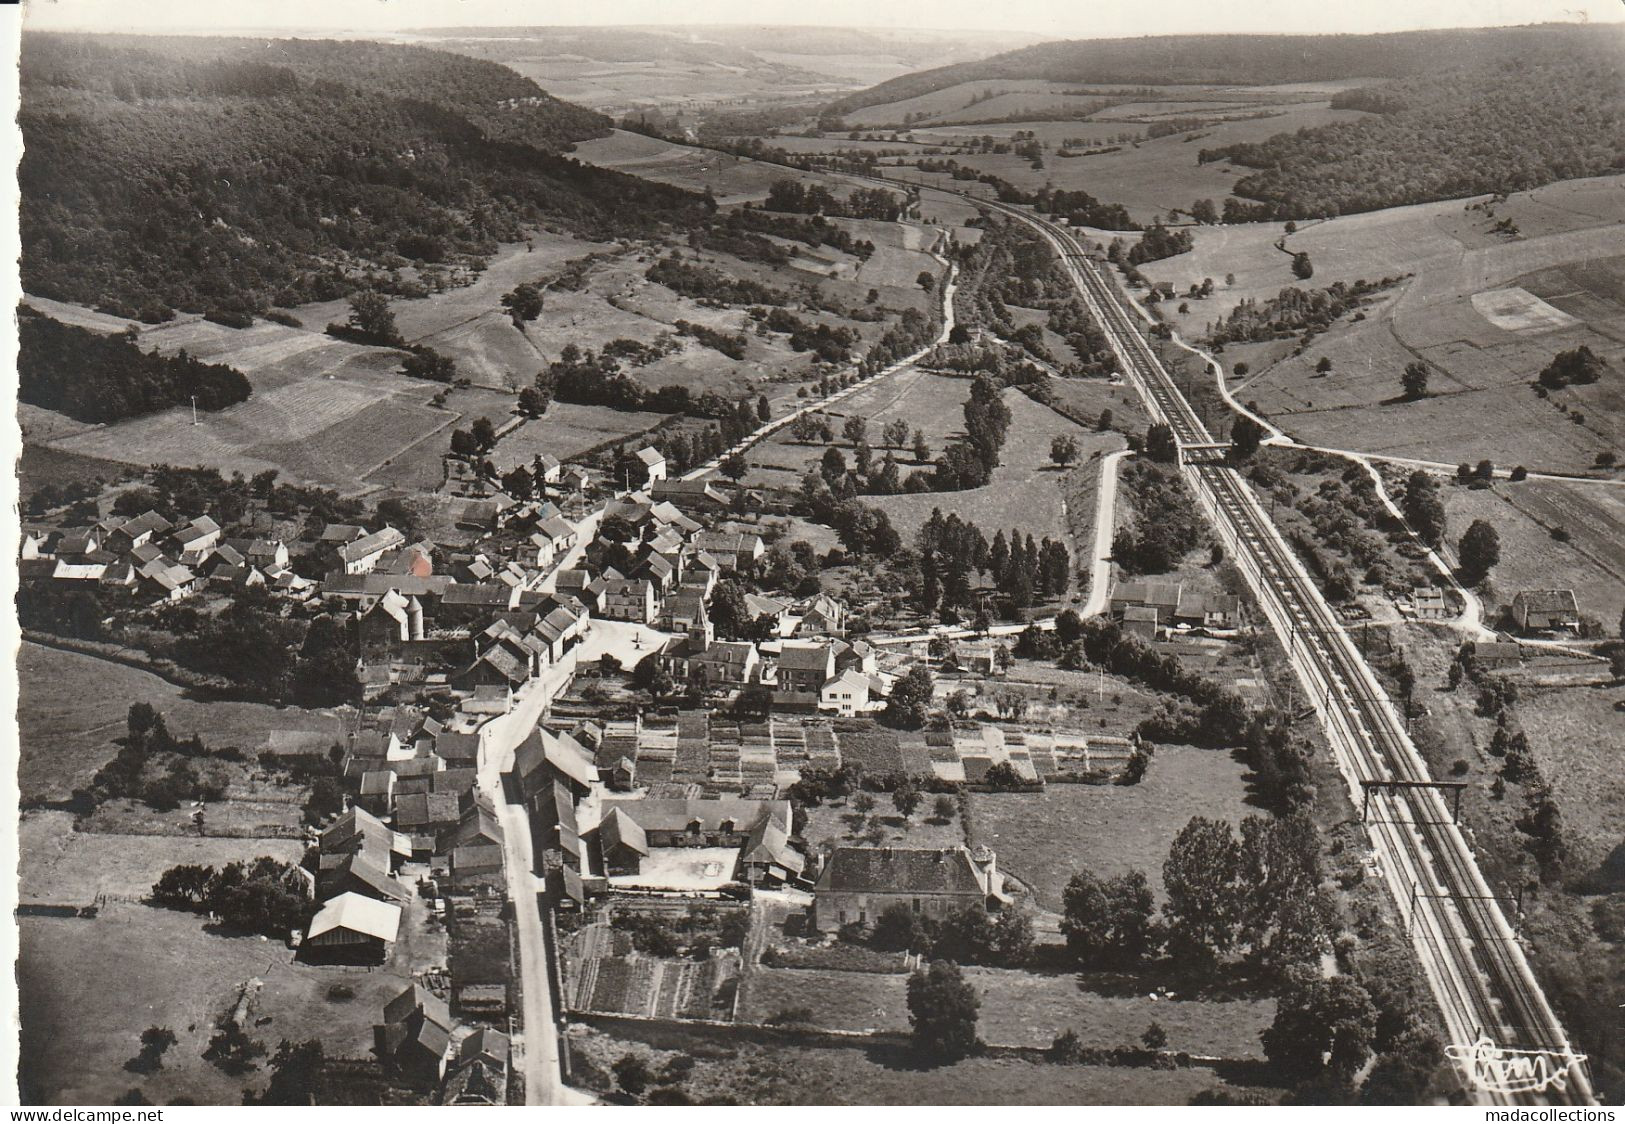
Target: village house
column 821, row 615
column 690, row 495
column 137, row 531
column 544, row 758
column 377, row 792
column 847, row 694
column 1546, row 610
column 771, row 615
column 480, row 1074
column 546, row 468
column 1163, row 596
column 357, row 874
column 802, row 671
column 629, row 600
column 264, row 553
column 196, row 540
column 1207, row 610
column 1494, row 655
column 685, row 613
column 654, row 464
column 415, row 1037
column 1428, row 603
column 1141, row 621
column 353, row 928
column 723, row 664
column 859, row 883
column 360, row 556
column 632, row 833
column 733, row 550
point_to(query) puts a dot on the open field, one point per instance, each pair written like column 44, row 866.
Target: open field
column 72, row 706
column 839, row 825
column 166, row 970
column 1448, row 315
column 1575, row 733
column 838, row 1000
column 785, row 1073
column 732, row 179
column 1150, row 177
column 341, row 415
column 567, row 429
column 1044, row 838
column 323, row 411
column 1025, row 488
column 933, row 404
column 1525, row 514
column 1029, row 1009
column 61, row 865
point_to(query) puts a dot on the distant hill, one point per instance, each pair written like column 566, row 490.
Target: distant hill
column 1233, row 59
column 1448, row 114
column 622, row 69
column 200, row 173
column 1555, row 112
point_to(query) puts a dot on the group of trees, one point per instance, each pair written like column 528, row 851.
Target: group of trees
column 704, row 283
column 1350, row 522
column 1478, row 551
column 731, row 344
column 1293, row 312
column 1165, row 526
column 266, row 896
column 966, row 936
column 794, row 197
column 864, row 531
column 814, row 232
column 831, row 344
column 1082, row 209
column 93, row 377
column 952, row 549
column 1576, row 367
column 262, row 653
column 1250, row 898
column 155, row 767
column 523, row 303
column 1156, row 243
column 1422, row 507
column 596, row 379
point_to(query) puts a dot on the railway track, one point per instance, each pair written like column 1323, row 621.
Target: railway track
column 1505, row 1038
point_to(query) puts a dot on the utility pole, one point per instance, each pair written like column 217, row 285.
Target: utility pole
column 194, row 409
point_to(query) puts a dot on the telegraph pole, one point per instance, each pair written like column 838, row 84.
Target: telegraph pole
column 194, row 409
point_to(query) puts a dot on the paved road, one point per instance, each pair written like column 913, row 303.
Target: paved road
column 1100, row 575
column 537, row 1045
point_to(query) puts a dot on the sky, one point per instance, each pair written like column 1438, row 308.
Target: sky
column 1060, row 19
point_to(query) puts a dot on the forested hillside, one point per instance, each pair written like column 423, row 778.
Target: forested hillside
column 1556, row 113
column 229, row 173
column 1246, row 59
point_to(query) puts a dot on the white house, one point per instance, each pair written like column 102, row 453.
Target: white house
column 847, row 694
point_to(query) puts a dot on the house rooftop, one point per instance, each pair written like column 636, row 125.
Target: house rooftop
column 901, row 869
column 359, row 914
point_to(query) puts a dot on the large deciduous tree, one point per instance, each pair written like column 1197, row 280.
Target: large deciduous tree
column 943, row 1008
